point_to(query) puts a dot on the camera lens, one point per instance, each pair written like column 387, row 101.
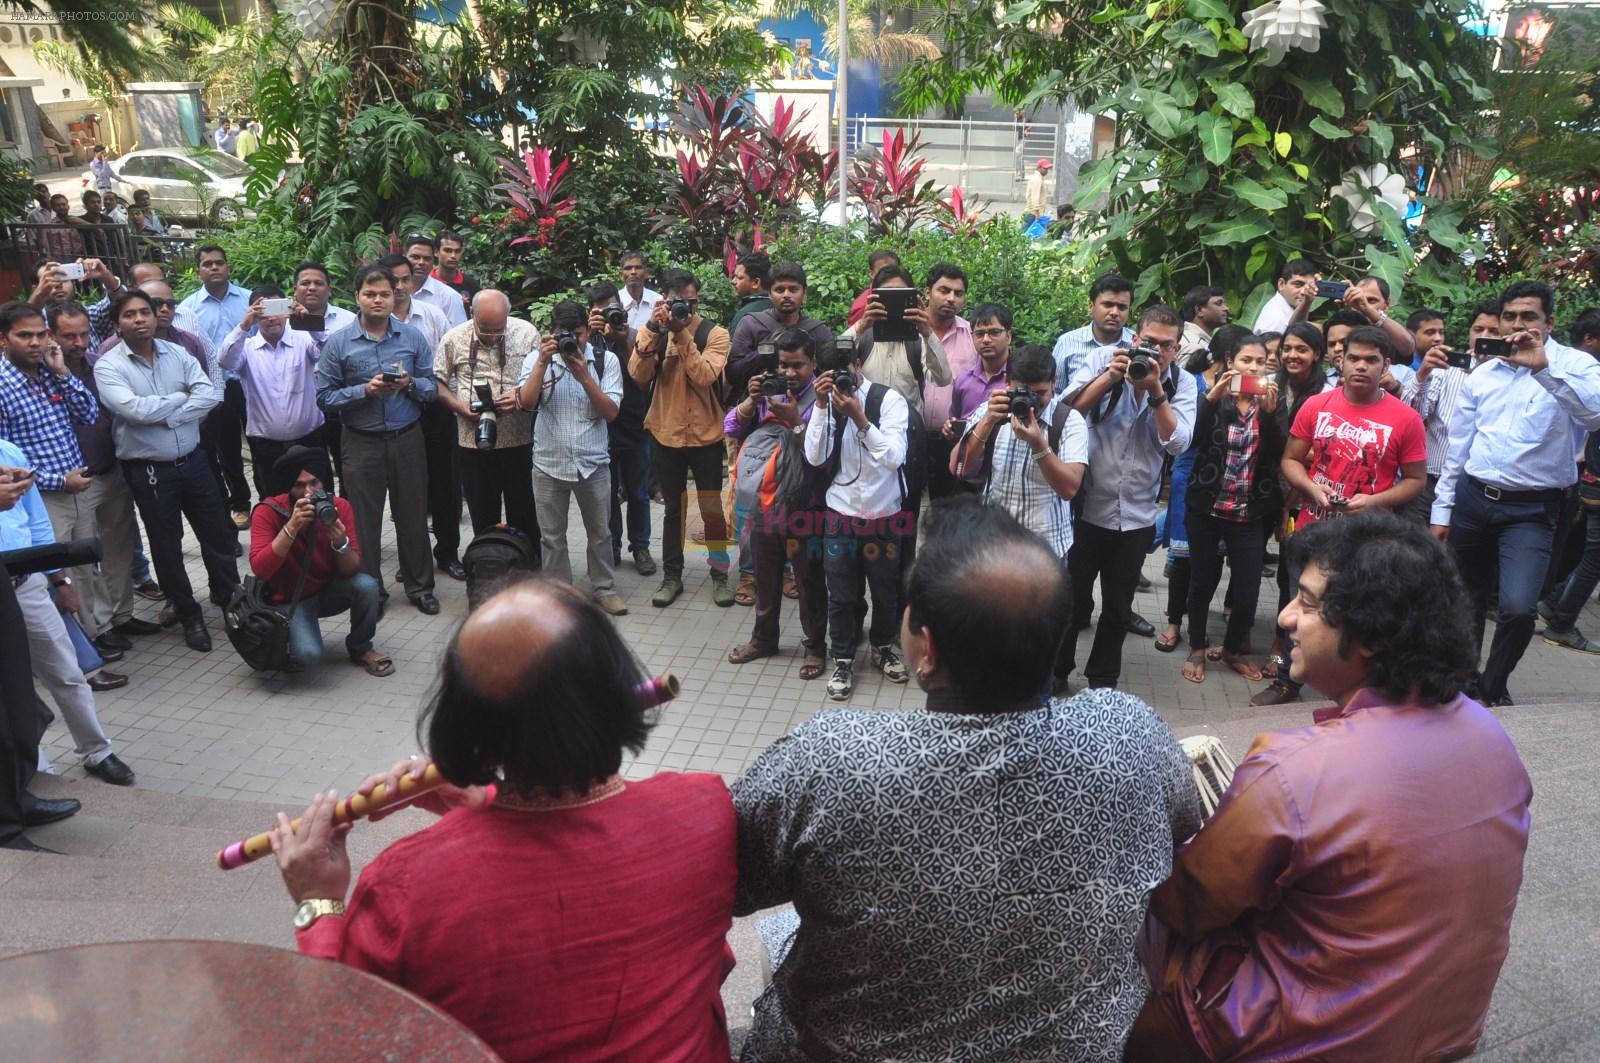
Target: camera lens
column 488, row 430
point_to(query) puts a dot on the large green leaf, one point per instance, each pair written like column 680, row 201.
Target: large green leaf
column 1193, row 36
column 1149, row 280
column 1283, row 141
column 1328, row 131
column 1236, row 231
column 1209, row 9
column 1190, row 181
column 1235, row 98
column 1321, row 94
column 1382, row 138
column 1394, row 229
column 1094, row 180
column 1216, row 137
column 1163, row 113
column 1259, row 255
column 1387, row 265
column 1256, row 195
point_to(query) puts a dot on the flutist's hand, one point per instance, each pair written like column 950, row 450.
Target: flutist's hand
column 445, row 799
column 312, row 857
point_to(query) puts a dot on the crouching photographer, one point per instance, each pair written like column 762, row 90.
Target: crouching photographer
column 303, row 547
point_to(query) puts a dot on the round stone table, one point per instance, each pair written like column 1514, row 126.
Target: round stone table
column 201, row 1001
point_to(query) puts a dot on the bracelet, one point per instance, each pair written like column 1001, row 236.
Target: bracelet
column 1158, row 401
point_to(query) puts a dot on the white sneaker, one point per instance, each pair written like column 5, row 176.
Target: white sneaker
column 843, row 681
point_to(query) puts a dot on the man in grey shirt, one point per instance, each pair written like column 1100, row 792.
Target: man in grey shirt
column 157, row 394
column 376, row 376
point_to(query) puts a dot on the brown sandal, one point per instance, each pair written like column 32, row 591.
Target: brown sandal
column 747, row 653
column 790, row 588
column 811, row 669
column 1168, row 641
column 1194, row 668
column 746, row 592
column 378, row 665
column 1242, row 666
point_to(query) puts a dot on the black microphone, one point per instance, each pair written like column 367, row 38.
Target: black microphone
column 50, row 556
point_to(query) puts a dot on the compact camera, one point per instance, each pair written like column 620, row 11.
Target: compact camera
column 1142, row 361
column 615, row 317
column 488, row 418
column 680, row 308
column 1025, row 405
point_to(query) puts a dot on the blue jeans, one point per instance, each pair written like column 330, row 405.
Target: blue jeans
column 1516, row 536
column 1581, row 584
column 630, row 475
column 356, row 594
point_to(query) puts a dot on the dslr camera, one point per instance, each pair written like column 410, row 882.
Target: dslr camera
column 1025, row 405
column 1142, row 361
column 680, row 308
column 322, row 507
column 488, row 417
column 615, row 317
column 774, row 385
column 567, row 344
column 845, row 382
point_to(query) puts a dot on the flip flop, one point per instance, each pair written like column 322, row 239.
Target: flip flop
column 380, row 666
column 1214, row 653
column 1243, row 667
column 1165, row 646
column 1196, row 660
column 811, row 669
column 1269, row 669
column 747, row 653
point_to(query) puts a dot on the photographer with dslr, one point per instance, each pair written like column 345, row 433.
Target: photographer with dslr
column 574, row 386
column 630, row 443
column 1140, row 409
column 303, row 531
column 478, row 367
column 1439, row 380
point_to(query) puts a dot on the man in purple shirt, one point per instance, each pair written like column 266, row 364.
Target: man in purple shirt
column 991, row 335
column 946, row 294
column 1351, row 897
column 278, row 369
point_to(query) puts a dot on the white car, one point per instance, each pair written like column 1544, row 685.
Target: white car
column 199, row 184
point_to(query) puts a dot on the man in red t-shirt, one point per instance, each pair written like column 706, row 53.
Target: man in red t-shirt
column 1356, row 447
column 284, row 531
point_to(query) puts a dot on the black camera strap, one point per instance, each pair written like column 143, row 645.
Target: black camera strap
column 305, row 567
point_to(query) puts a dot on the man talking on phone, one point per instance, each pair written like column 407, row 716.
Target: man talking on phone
column 1520, row 420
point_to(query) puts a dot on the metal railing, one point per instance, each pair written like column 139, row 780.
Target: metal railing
column 990, row 159
column 119, row 247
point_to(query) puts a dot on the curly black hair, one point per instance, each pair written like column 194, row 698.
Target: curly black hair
column 1393, row 588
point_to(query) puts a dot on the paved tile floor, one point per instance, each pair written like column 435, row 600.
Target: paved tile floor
column 205, row 725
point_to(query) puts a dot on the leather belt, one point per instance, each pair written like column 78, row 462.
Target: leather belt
column 382, row 435
column 1497, row 494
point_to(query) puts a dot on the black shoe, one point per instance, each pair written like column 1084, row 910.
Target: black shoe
column 137, row 627
column 1144, row 584
column 1501, row 702
column 196, row 635
column 1271, row 558
column 108, row 653
column 1138, row 625
column 238, row 548
column 113, row 640
column 21, row 844
column 111, row 770
column 104, row 680
column 40, row 811
column 454, row 569
column 426, row 603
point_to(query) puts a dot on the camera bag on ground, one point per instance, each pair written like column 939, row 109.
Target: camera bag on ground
column 257, row 627
column 496, row 558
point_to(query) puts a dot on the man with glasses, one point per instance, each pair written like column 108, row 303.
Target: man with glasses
column 489, row 352
column 422, row 252
column 1138, row 412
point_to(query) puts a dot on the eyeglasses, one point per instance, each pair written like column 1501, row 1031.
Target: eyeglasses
column 987, row 333
column 1160, row 345
column 169, row 303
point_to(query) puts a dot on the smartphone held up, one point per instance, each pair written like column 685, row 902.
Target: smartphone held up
column 1249, row 384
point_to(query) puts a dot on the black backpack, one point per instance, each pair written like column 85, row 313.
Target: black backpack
column 1057, row 427
column 496, row 558
column 914, row 470
column 258, row 627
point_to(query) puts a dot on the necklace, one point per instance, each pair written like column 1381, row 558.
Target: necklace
column 508, row 799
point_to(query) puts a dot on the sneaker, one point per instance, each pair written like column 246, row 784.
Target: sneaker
column 842, row 682
column 643, row 563
column 885, row 660
column 1279, row 693
column 667, row 593
column 721, row 593
column 612, row 603
column 1571, row 639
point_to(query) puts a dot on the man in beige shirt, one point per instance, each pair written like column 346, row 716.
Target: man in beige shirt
column 680, row 358
column 496, row 465
column 1037, row 205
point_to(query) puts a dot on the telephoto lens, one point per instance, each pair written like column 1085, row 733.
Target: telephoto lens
column 488, row 429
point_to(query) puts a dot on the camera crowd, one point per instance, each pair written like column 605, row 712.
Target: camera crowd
column 812, row 452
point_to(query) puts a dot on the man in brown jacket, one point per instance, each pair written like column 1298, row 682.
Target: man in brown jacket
column 679, row 359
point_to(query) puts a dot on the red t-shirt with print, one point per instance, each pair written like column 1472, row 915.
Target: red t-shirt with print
column 1358, row 450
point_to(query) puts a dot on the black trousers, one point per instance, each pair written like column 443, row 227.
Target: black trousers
column 857, row 550
column 505, row 474
column 264, row 452
column 222, row 437
column 1114, row 558
column 1247, row 552
column 794, row 540
column 19, row 719
column 167, row 493
column 674, row 466
column 444, row 481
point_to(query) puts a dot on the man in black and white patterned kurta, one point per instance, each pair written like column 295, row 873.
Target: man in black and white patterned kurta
column 970, row 877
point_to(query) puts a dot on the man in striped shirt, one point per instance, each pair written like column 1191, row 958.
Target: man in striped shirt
column 1110, row 299
column 1438, row 388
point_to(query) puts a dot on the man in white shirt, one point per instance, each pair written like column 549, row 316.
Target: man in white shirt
column 857, row 433
column 278, row 370
column 1297, row 287
column 438, row 423
column 1519, row 423
column 422, row 252
column 1133, row 425
column 1110, row 300
column 1438, row 387
column 1205, row 309
column 639, row 301
column 573, row 387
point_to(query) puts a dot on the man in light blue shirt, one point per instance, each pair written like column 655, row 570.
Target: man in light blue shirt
column 216, row 309
column 1110, row 299
column 422, row 252
column 24, row 523
column 574, row 386
column 1518, row 427
column 157, row 393
column 1133, row 425
column 376, row 376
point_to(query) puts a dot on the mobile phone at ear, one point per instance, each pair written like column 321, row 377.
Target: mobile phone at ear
column 1491, row 347
column 1331, row 289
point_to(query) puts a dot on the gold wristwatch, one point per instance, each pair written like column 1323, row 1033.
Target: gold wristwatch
column 310, row 911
